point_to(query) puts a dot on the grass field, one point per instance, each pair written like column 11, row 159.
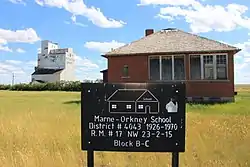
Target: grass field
column 40, row 129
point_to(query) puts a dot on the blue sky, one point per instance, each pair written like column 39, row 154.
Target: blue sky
column 93, row 27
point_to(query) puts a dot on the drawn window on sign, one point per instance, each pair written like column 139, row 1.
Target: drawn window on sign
column 128, row 106
column 114, row 106
column 140, row 106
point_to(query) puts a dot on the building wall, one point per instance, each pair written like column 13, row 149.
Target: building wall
column 137, row 69
column 105, row 76
column 51, row 61
column 68, row 73
column 138, row 72
column 48, row 77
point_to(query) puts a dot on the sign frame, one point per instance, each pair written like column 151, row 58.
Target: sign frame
column 176, row 89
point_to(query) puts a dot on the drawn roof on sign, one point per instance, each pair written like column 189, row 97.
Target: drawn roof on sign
column 132, row 95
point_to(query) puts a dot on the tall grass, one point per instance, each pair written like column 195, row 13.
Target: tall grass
column 41, row 129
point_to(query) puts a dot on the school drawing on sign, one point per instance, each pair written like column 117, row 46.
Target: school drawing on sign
column 171, row 107
column 134, row 101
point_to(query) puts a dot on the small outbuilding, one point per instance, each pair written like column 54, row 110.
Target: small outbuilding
column 172, row 55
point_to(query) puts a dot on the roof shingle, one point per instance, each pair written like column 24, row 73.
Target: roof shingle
column 170, row 41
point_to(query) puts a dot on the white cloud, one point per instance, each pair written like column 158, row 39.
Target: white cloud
column 78, row 8
column 203, row 18
column 73, row 21
column 5, row 48
column 85, row 63
column 32, row 63
column 103, row 46
column 73, row 18
column 19, row 36
column 28, row 35
column 169, row 18
column 18, row 2
column 14, row 62
column 167, row 2
column 86, row 69
column 20, row 50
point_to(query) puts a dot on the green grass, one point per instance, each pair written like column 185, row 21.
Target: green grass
column 40, row 129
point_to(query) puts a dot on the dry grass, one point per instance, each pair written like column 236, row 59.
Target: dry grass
column 37, row 129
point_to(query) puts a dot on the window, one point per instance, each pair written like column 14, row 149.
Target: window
column 208, row 67
column 221, row 66
column 125, row 71
column 154, row 68
column 195, row 67
column 167, row 68
column 179, row 68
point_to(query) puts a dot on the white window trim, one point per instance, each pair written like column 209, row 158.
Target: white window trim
column 160, row 59
column 160, row 66
column 173, row 66
column 214, row 65
column 202, row 67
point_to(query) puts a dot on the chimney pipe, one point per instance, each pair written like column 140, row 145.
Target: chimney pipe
column 149, row 31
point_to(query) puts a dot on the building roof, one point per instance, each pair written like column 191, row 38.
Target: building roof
column 104, row 71
column 171, row 41
column 133, row 95
column 44, row 71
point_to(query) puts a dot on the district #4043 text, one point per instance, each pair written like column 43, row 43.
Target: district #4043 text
column 132, row 123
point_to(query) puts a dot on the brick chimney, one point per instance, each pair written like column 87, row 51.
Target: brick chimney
column 149, row 31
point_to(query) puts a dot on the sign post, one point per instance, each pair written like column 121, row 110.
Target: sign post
column 175, row 159
column 90, row 158
column 133, row 117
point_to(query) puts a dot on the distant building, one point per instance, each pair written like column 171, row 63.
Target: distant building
column 54, row 64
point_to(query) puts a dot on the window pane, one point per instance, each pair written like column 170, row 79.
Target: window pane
column 154, row 68
column 179, row 69
column 208, row 67
column 125, row 70
column 221, row 65
column 208, row 59
column 221, row 73
column 208, row 72
column 195, row 67
column 167, row 68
